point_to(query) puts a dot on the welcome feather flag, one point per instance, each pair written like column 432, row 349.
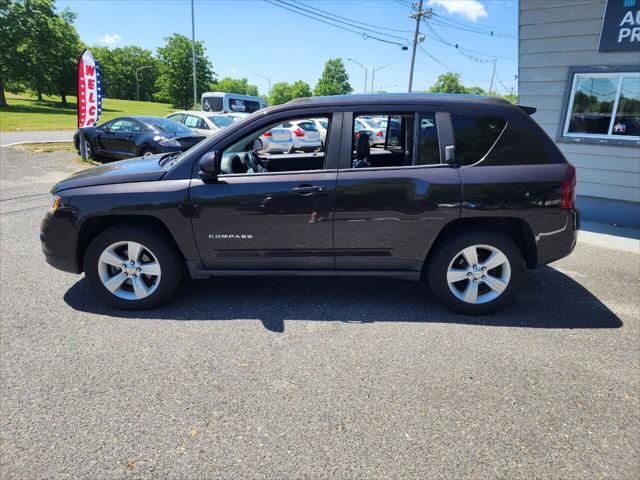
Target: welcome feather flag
column 89, row 90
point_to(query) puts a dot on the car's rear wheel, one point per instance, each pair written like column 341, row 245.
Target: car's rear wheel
column 476, row 272
column 132, row 268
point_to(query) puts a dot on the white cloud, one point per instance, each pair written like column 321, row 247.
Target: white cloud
column 110, row 39
column 233, row 70
column 469, row 9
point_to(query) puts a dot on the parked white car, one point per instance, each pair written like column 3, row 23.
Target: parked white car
column 305, row 135
column 378, row 131
column 322, row 124
column 276, row 140
column 202, row 122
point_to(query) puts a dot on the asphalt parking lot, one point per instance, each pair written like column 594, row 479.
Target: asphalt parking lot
column 310, row 378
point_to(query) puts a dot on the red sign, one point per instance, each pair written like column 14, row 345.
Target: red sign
column 89, row 90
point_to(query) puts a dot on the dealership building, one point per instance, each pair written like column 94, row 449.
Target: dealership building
column 579, row 65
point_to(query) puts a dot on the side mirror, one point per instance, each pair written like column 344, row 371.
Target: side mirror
column 450, row 154
column 209, row 167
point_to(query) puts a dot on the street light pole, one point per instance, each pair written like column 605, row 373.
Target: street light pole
column 373, row 72
column 193, row 57
column 137, row 83
column 267, row 79
column 363, row 67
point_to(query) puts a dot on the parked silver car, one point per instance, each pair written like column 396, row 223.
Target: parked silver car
column 305, row 135
column 202, row 123
column 378, row 131
column 276, row 140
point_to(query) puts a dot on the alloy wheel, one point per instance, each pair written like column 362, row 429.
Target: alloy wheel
column 129, row 270
column 478, row 274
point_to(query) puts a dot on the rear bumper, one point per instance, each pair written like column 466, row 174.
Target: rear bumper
column 559, row 238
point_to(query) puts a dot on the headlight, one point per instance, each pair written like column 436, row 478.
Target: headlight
column 169, row 142
column 55, row 202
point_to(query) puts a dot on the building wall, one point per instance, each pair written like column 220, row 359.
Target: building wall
column 553, row 36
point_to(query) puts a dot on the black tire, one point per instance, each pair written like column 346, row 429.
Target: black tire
column 447, row 250
column 147, row 151
column 88, row 151
column 154, row 240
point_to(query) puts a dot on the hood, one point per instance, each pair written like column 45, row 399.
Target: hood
column 143, row 169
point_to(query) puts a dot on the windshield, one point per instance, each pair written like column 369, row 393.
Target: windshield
column 169, row 126
column 220, row 121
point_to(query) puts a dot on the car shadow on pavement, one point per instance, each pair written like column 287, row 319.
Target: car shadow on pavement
column 548, row 299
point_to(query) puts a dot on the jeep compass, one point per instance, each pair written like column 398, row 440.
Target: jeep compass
column 465, row 193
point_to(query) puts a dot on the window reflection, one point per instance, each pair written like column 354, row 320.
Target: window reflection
column 593, row 105
column 627, row 120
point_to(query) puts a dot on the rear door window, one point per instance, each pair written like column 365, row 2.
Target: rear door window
column 191, row 121
column 177, row 117
column 475, row 135
column 428, row 152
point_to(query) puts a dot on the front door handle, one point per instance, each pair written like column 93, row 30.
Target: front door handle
column 308, row 189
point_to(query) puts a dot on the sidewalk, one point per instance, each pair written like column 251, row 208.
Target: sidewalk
column 12, row 138
column 610, row 236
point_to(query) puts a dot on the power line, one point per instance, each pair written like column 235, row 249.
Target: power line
column 467, row 52
column 361, row 33
column 311, row 12
column 449, row 69
column 379, row 27
column 446, row 23
column 474, row 24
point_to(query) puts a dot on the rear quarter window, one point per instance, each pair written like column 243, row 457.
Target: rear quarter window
column 475, row 135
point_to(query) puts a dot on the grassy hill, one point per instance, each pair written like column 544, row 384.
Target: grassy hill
column 25, row 113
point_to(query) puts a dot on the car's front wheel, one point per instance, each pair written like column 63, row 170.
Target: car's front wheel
column 476, row 272
column 147, row 152
column 132, row 268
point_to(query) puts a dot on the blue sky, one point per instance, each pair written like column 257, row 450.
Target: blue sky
column 245, row 37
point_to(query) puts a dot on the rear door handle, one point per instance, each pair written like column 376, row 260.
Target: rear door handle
column 308, row 189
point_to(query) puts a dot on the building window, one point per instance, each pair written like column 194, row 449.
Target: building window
column 604, row 106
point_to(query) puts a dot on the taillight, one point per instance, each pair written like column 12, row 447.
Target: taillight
column 298, row 132
column 380, row 133
column 267, row 134
column 569, row 188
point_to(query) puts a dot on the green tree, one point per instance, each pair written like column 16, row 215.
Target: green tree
column 39, row 48
column 334, row 79
column 64, row 53
column 234, row 85
column 175, row 83
column 12, row 30
column 448, row 83
column 280, row 93
column 118, row 67
column 300, row 89
column 476, row 91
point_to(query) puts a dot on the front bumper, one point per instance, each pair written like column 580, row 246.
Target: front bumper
column 59, row 242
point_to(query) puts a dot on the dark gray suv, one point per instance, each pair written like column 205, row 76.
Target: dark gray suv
column 463, row 192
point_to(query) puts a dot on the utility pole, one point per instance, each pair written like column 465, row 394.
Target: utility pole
column 418, row 16
column 193, row 57
column 493, row 74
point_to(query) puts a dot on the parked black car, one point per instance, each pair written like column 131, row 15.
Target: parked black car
column 128, row 137
column 471, row 192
